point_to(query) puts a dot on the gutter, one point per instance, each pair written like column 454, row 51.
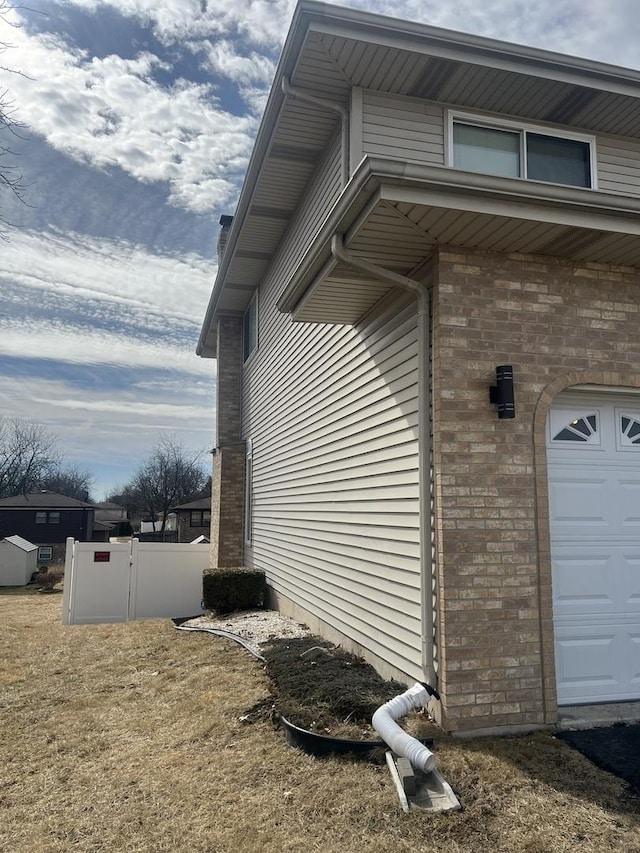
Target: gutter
column 421, row 293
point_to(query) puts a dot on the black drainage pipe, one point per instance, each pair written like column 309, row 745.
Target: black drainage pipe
column 323, row 745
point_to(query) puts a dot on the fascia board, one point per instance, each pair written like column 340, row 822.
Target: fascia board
column 447, row 187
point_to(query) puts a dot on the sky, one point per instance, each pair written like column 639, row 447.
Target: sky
column 140, row 117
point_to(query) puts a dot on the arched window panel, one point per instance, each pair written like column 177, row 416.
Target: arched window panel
column 581, row 429
column 629, row 427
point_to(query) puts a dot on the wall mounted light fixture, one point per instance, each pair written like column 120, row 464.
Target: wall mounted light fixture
column 501, row 394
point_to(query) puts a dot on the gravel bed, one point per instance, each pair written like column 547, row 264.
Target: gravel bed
column 257, row 627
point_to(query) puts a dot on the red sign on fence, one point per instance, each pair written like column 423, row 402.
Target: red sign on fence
column 101, row 556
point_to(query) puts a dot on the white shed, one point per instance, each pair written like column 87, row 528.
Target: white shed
column 18, row 561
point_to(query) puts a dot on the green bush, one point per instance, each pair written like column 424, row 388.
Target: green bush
column 229, row 590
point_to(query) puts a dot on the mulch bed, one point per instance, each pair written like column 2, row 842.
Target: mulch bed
column 324, row 689
column 614, row 748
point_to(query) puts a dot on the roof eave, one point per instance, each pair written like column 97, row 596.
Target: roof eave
column 399, row 181
column 345, row 22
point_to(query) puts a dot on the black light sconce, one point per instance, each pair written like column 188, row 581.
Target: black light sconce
column 501, row 394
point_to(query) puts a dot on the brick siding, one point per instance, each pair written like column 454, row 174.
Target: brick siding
column 559, row 324
column 227, row 512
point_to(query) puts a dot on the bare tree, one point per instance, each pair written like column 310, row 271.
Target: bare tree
column 170, row 476
column 11, row 130
column 69, row 480
column 28, row 454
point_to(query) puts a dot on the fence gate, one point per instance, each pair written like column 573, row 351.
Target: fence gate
column 116, row 582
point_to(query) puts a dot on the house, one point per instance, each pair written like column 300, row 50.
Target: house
column 428, row 215
column 110, row 513
column 46, row 519
column 18, row 561
column 193, row 519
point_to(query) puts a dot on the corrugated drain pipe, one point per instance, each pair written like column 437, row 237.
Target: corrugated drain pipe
column 289, row 90
column 384, row 722
column 420, row 291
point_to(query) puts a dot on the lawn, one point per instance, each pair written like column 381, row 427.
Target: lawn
column 129, row 737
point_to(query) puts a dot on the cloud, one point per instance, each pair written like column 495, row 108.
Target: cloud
column 248, row 71
column 110, row 433
column 111, row 112
column 79, row 300
column 165, row 285
column 261, row 23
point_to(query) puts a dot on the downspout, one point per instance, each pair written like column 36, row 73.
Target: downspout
column 420, row 291
column 288, row 90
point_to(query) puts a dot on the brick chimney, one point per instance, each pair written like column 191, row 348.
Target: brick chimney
column 223, row 236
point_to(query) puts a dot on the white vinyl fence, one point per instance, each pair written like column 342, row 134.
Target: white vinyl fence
column 115, row 582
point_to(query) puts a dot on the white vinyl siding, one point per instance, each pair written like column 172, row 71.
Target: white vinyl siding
column 333, row 416
column 321, row 193
column 402, row 128
column 413, row 129
column 619, row 165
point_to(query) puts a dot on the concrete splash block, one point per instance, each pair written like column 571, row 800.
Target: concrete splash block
column 418, row 791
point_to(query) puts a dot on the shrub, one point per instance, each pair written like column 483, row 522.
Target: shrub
column 229, row 590
column 47, row 578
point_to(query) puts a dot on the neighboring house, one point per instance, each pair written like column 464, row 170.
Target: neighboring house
column 193, row 519
column 422, row 207
column 46, row 519
column 18, row 561
column 110, row 520
column 108, row 512
column 151, row 526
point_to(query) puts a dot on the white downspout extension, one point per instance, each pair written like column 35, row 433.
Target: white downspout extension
column 399, row 741
column 288, row 90
column 420, row 291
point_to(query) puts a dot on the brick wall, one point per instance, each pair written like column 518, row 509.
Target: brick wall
column 228, row 470
column 559, row 324
column 187, row 532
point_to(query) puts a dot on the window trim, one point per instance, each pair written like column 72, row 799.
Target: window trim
column 248, row 492
column 252, row 306
column 193, row 513
column 497, row 123
column 41, row 558
column 618, row 414
column 47, row 513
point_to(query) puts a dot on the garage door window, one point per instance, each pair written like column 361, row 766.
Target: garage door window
column 629, row 431
column 581, row 429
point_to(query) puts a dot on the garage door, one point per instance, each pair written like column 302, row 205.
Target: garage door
column 594, row 497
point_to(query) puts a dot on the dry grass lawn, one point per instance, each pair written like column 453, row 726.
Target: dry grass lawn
column 128, row 737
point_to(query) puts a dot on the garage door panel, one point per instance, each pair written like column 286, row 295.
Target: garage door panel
column 576, row 500
column 630, row 504
column 632, row 585
column 581, row 581
column 589, row 583
column 596, row 663
column 594, row 511
column 584, row 663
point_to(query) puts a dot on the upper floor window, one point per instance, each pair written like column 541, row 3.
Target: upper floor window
column 200, row 518
column 46, row 517
column 514, row 151
column 250, row 328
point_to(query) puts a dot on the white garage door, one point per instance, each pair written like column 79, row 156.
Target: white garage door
column 594, row 496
